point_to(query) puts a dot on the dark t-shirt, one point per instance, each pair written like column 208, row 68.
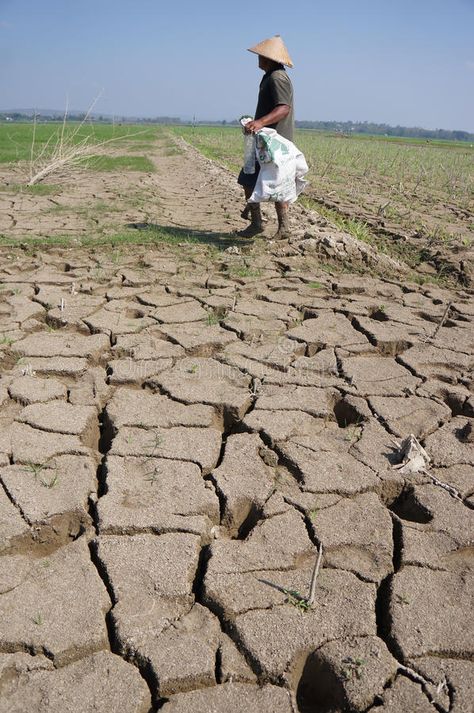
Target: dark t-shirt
column 276, row 88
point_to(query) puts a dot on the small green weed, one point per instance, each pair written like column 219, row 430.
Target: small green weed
column 296, row 599
column 156, row 442
column 51, row 483
column 153, row 476
column 35, row 468
column 403, row 599
column 38, row 619
column 353, row 668
column 212, row 319
column 354, row 432
column 245, row 271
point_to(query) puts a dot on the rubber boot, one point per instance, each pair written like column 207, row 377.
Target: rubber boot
column 255, row 227
column 283, row 232
column 245, row 214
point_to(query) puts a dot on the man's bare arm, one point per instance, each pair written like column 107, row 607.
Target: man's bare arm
column 278, row 113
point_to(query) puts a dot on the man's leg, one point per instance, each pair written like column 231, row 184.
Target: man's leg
column 283, row 231
column 255, row 226
column 251, row 210
column 246, row 211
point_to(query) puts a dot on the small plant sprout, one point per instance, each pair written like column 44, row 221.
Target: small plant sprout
column 353, row 432
column 296, row 599
column 38, row 619
column 156, row 441
column 153, row 476
column 35, row 468
column 28, row 370
column 353, row 667
column 403, row 599
column 49, row 483
column 212, row 319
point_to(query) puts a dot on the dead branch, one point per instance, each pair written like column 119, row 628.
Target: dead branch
column 443, row 320
column 312, row 588
column 67, row 151
column 449, row 488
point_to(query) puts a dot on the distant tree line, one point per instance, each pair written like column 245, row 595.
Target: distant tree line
column 345, row 128
column 80, row 116
column 367, row 127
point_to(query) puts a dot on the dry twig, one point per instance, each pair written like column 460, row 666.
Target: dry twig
column 443, row 320
column 312, row 588
column 68, row 150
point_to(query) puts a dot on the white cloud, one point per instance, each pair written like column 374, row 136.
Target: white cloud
column 470, row 65
column 4, row 25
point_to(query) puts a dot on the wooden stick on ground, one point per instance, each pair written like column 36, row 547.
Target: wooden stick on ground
column 312, row 589
column 452, row 491
column 443, row 320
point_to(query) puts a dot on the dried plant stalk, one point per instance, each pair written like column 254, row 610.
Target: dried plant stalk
column 312, row 588
column 67, row 151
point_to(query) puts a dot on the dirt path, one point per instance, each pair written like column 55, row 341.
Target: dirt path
column 182, row 429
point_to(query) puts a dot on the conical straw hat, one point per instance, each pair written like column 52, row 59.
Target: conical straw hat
column 273, row 48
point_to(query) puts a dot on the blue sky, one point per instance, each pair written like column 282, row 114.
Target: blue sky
column 408, row 62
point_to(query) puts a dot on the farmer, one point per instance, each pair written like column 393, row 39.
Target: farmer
column 274, row 110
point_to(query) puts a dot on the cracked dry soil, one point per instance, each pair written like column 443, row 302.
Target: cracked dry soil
column 179, row 432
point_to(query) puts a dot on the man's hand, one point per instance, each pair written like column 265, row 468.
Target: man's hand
column 253, row 126
column 278, row 113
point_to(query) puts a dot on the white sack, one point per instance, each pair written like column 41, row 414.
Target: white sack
column 282, row 169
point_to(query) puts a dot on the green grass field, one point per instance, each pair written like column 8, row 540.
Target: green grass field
column 16, row 139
